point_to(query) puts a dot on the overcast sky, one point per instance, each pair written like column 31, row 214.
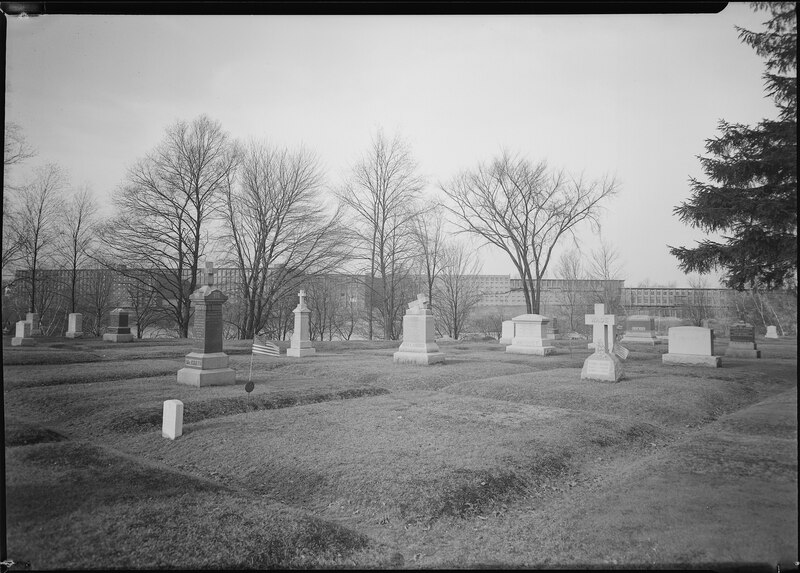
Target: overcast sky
column 634, row 96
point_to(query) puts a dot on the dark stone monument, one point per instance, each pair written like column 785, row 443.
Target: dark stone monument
column 118, row 329
column 33, row 319
column 640, row 329
column 742, row 341
column 207, row 364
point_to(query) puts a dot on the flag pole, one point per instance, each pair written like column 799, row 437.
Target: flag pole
column 251, row 363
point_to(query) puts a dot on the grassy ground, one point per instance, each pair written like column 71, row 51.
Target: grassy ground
column 345, row 460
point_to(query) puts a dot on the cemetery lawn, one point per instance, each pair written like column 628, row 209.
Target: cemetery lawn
column 345, row 460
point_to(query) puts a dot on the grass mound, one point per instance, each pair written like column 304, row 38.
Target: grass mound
column 676, row 399
column 467, row 493
column 144, row 517
column 54, row 375
column 19, row 433
column 146, row 419
column 37, row 356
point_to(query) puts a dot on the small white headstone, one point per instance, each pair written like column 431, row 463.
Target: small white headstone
column 508, row 332
column 23, row 329
column 23, row 334
column 75, row 328
column 772, row 332
column 172, row 426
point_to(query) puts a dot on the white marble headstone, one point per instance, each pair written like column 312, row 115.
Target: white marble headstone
column 691, row 340
column 172, row 426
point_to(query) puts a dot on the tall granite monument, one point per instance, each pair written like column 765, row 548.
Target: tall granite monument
column 207, row 364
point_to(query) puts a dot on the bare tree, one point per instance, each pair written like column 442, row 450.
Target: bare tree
column 428, row 232
column 278, row 229
column 456, row 288
column 605, row 268
column 38, row 216
column 380, row 196
column 524, row 210
column 323, row 302
column 97, row 297
column 12, row 236
column 143, row 300
column 697, row 306
column 573, row 295
column 164, row 209
column 16, row 150
column 348, row 316
column 79, row 225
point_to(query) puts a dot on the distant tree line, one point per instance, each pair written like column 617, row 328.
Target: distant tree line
column 269, row 212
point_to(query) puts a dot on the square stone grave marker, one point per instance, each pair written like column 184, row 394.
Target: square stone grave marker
column 742, row 342
column 508, row 332
column 419, row 336
column 75, row 325
column 23, row 335
column 532, row 335
column 691, row 345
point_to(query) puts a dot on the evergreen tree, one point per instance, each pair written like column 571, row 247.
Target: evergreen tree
column 753, row 201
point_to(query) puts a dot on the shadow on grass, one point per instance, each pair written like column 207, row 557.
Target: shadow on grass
column 36, row 378
column 119, row 513
column 468, row 493
column 19, row 433
column 48, row 356
column 148, row 418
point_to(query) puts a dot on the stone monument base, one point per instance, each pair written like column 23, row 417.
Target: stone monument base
column 743, row 352
column 652, row 341
column 300, row 352
column 18, row 341
column 74, row 335
column 108, row 337
column 535, row 350
column 692, row 360
column 207, row 361
column 422, row 358
column 602, row 366
column 211, row 377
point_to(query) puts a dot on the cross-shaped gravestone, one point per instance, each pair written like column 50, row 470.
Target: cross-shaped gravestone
column 209, row 273
column 302, row 295
column 421, row 302
column 605, row 343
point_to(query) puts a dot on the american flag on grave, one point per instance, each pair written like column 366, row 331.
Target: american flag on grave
column 263, row 346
